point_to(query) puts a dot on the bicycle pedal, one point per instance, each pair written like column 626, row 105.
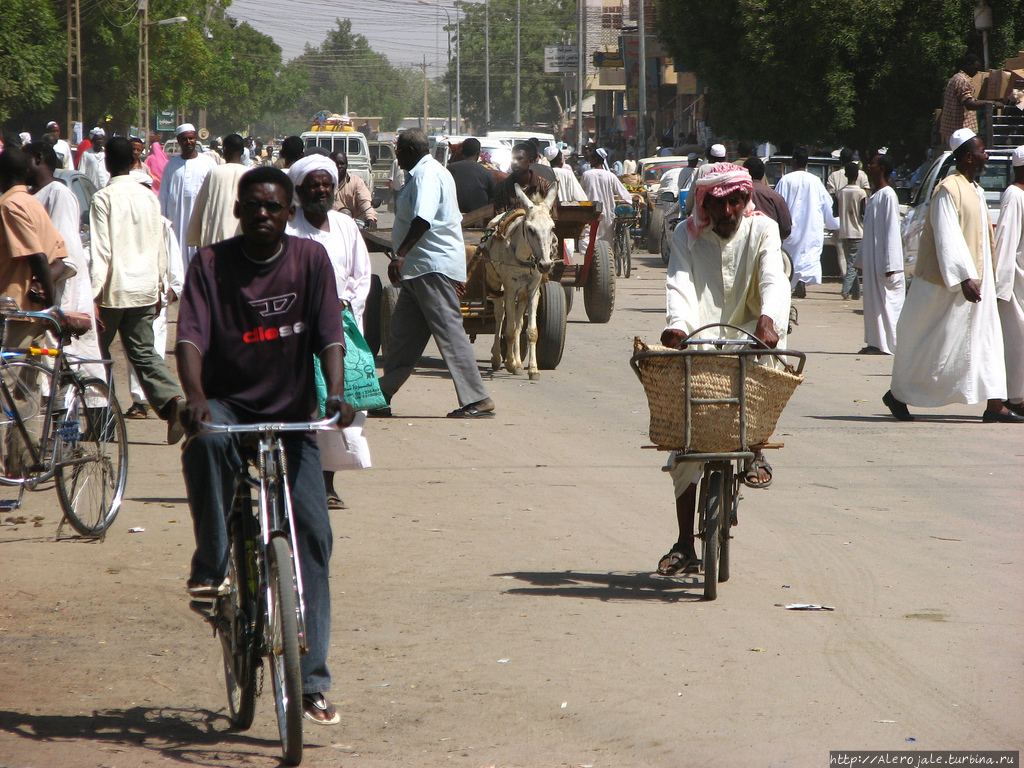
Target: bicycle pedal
column 9, row 505
column 205, row 609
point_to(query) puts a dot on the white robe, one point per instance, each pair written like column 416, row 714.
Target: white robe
column 602, row 186
column 346, row 448
column 74, row 293
column 1010, row 286
column 94, row 165
column 950, row 350
column 881, row 251
column 179, row 187
column 811, row 208
column 213, row 215
column 734, row 281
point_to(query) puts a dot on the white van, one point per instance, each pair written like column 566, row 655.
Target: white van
column 352, row 143
column 514, row 137
column 494, row 151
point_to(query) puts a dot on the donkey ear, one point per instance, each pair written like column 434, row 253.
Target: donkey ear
column 527, row 204
column 551, row 197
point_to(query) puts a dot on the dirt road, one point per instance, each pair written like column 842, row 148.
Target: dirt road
column 493, row 597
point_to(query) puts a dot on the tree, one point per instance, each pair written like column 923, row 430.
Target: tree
column 30, row 56
column 859, row 72
column 544, row 22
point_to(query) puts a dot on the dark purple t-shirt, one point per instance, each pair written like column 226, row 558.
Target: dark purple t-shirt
column 258, row 326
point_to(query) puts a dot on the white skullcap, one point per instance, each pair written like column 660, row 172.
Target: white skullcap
column 184, row 128
column 26, row 138
column 53, row 124
column 97, row 132
column 692, row 156
column 960, row 137
column 550, row 152
column 602, row 153
column 302, row 168
column 1017, row 156
column 717, row 150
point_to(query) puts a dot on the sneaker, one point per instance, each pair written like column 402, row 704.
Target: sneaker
column 318, row 709
column 137, row 411
column 175, row 429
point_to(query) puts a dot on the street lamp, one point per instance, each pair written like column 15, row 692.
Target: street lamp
column 983, row 23
column 144, row 25
column 447, row 32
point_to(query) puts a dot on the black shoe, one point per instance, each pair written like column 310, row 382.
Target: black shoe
column 896, row 408
column 869, row 350
column 998, row 417
column 137, row 411
column 800, row 292
column 1017, row 408
column 380, row 413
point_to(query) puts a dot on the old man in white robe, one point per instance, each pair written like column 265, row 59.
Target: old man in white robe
column 213, row 215
column 1010, row 281
column 315, row 178
column 950, row 341
column 182, row 179
column 880, row 259
column 725, row 267
column 811, row 209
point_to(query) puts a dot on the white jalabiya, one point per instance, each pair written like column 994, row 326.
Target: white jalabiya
column 569, row 189
column 346, row 448
column 1010, row 286
column 213, row 215
column 811, row 209
column 179, row 188
column 94, row 165
column 716, row 280
column 604, row 187
column 881, row 251
column 174, row 281
column 74, row 293
column 950, row 350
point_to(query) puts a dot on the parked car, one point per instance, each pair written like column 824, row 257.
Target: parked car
column 83, row 189
column 652, row 170
column 997, row 176
column 382, row 155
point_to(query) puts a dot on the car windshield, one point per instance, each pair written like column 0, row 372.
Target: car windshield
column 380, row 153
column 655, row 171
column 995, row 177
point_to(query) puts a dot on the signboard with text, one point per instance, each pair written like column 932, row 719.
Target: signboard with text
column 561, row 58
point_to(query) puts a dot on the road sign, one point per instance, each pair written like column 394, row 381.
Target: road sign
column 603, row 60
column 561, row 58
column 165, row 120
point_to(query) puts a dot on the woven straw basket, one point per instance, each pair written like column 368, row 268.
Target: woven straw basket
column 715, row 428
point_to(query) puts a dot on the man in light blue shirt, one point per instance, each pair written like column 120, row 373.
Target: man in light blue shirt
column 430, row 267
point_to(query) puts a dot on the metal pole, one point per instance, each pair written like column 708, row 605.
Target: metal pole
column 518, row 59
column 487, row 63
column 458, row 74
column 426, row 107
column 581, row 4
column 641, row 107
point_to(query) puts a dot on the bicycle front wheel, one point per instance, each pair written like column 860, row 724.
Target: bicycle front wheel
column 92, row 457
column 283, row 647
column 237, row 626
column 711, row 533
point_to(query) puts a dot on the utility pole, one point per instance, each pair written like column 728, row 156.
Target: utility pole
column 580, row 64
column 641, row 107
column 426, row 107
column 74, row 68
column 519, row 19
column 143, row 122
column 458, row 73
column 487, row 63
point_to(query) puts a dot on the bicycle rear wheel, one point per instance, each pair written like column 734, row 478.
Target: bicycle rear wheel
column 283, row 647
column 627, row 252
column 27, row 387
column 236, row 626
column 712, row 519
column 92, row 456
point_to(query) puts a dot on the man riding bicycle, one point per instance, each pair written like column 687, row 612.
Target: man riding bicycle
column 254, row 311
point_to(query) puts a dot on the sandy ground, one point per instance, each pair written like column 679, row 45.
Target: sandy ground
column 493, row 597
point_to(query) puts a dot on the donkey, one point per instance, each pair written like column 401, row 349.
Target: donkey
column 519, row 256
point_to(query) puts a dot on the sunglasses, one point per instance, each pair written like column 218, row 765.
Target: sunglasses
column 251, row 206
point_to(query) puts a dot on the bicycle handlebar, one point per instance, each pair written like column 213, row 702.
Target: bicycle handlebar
column 274, row 427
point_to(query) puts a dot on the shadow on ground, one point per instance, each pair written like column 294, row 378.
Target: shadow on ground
column 608, row 586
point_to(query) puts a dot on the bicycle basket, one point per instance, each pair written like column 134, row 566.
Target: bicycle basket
column 715, row 428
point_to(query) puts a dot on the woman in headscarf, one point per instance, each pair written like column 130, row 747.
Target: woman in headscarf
column 156, row 162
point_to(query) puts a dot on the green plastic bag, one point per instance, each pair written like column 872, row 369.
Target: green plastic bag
column 361, row 388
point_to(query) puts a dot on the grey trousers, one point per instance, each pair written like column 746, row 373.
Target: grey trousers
column 135, row 327
column 428, row 306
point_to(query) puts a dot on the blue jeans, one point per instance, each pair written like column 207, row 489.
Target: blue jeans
column 210, row 463
column 851, row 284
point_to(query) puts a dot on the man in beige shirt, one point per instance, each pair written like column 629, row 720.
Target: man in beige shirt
column 129, row 267
column 31, row 248
column 352, row 193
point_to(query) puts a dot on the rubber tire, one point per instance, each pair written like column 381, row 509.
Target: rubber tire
column 550, row 326
column 235, row 614
column 110, row 448
column 569, row 293
column 712, row 533
column 29, row 400
column 653, row 242
column 599, row 292
column 388, row 300
column 729, row 501
column 282, row 638
column 666, row 250
column 627, row 254
column 372, row 310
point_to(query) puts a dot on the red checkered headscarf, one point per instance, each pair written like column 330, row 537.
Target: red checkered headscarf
column 721, row 180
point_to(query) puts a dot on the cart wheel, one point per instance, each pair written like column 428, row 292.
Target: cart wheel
column 712, row 519
column 550, row 326
column 599, row 292
column 388, row 300
column 787, row 265
column 569, row 291
column 372, row 309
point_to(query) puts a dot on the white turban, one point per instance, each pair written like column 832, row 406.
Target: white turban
column 602, row 153
column 1017, row 156
column 316, row 162
column 26, row 138
column 550, row 152
column 184, row 128
column 960, row 137
column 97, row 132
column 717, row 150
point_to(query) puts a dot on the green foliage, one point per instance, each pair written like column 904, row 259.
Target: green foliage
column 544, row 22
column 858, row 72
column 30, row 56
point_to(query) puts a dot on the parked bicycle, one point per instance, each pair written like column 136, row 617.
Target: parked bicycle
column 261, row 609
column 58, row 423
column 622, row 246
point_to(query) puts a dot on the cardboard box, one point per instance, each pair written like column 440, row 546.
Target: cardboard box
column 980, row 80
column 1017, row 62
column 999, row 84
